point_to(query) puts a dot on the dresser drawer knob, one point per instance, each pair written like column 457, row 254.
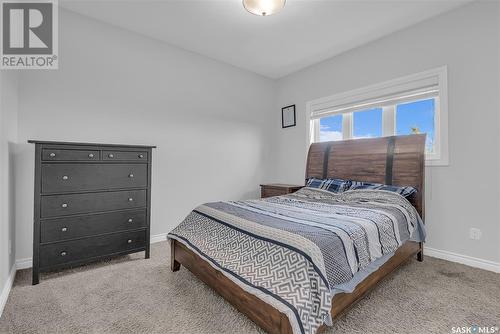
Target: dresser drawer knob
column 64, row 253
column 91, row 155
column 64, row 205
column 131, row 175
column 130, row 220
column 64, row 229
column 52, row 155
column 130, row 199
column 129, row 241
column 141, row 156
column 111, row 155
column 65, row 177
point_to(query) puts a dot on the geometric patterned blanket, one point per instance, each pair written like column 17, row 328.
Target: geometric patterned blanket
column 291, row 251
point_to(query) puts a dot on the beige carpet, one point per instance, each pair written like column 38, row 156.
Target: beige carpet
column 133, row 295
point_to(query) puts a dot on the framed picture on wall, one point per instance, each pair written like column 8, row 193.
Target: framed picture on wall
column 288, row 116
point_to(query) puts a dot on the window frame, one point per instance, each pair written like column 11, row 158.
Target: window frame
column 440, row 156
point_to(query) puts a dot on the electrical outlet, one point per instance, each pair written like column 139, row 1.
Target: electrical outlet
column 475, row 233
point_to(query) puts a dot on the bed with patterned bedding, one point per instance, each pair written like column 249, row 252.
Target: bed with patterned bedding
column 293, row 251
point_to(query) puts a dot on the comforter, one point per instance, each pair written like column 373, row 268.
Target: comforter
column 291, row 251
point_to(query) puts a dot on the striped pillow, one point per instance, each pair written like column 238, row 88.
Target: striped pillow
column 332, row 185
column 405, row 191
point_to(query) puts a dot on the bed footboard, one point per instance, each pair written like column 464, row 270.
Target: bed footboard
column 263, row 314
column 342, row 302
column 174, row 264
column 420, row 254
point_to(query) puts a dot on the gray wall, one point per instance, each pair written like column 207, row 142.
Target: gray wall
column 8, row 136
column 209, row 120
column 218, row 128
column 464, row 194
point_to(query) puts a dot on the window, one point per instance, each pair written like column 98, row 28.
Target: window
column 413, row 104
column 417, row 117
column 367, row 123
column 330, row 128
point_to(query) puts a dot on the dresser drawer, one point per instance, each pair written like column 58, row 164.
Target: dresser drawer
column 62, row 205
column 88, row 248
column 69, row 155
column 84, row 177
column 59, row 229
column 125, row 155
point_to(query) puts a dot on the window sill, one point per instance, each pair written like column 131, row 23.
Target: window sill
column 443, row 162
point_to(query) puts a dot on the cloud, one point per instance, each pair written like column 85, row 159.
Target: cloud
column 368, row 135
column 330, row 135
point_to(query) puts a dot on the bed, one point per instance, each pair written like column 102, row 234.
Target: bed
column 290, row 281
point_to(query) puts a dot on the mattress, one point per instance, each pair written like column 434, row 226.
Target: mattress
column 297, row 251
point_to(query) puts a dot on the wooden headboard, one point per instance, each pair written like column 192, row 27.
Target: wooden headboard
column 395, row 160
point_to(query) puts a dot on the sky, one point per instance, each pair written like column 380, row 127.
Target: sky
column 368, row 123
column 416, row 114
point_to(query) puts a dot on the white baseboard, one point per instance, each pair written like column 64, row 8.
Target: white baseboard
column 28, row 262
column 24, row 263
column 432, row 252
column 463, row 259
column 6, row 288
column 158, row 237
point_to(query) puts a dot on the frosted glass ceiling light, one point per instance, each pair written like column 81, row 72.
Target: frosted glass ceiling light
column 263, row 7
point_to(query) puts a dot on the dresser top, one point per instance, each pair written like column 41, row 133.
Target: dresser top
column 32, row 141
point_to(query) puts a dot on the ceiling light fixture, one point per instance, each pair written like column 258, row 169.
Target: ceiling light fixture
column 263, row 7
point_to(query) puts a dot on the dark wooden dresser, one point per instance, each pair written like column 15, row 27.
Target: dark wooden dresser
column 92, row 201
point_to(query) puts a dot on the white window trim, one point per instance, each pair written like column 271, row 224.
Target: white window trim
column 441, row 155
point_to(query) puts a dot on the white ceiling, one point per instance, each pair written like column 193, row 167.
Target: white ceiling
column 303, row 33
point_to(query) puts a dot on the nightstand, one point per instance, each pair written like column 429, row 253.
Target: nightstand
column 277, row 189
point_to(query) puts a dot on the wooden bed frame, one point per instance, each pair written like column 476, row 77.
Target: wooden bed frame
column 397, row 160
